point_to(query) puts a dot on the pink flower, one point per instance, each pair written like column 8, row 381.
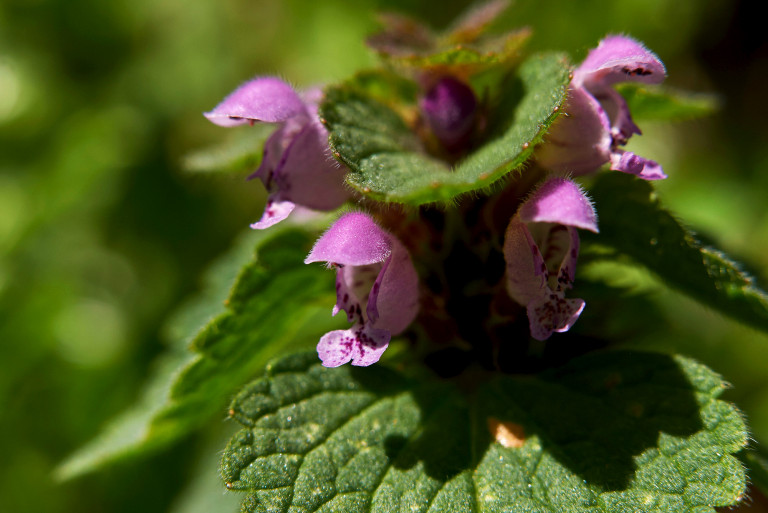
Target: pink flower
column 450, row 110
column 297, row 167
column 541, row 247
column 597, row 121
column 376, row 284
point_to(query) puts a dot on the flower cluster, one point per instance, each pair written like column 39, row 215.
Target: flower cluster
column 377, row 283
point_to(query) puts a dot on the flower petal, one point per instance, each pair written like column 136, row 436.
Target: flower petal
column 526, row 270
column 560, row 201
column 267, row 99
column 353, row 288
column 579, row 141
column 275, row 211
column 355, row 239
column 622, row 125
column 628, row 162
column 553, row 313
column 393, row 301
column 308, row 174
column 271, row 156
column 567, row 271
column 618, row 59
column 361, row 344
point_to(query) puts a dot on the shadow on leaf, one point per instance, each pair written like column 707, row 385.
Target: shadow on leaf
column 594, row 416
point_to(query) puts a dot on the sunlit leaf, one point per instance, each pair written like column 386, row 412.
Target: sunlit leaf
column 634, row 223
column 622, row 431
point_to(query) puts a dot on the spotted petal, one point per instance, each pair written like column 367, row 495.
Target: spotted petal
column 618, row 59
column 275, row 211
column 553, row 314
column 376, row 284
column 360, row 344
column 541, row 247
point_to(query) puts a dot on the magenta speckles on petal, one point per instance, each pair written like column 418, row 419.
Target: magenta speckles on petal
column 274, row 212
column 266, row 99
column 553, row 314
column 376, row 284
column 361, row 345
column 597, row 121
column 541, row 246
column 619, row 59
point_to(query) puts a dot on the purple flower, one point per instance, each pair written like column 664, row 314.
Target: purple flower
column 450, row 110
column 541, row 247
column 597, row 121
column 297, row 167
column 376, row 284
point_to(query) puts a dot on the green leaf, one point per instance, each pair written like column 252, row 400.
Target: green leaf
column 613, row 432
column 634, row 223
column 276, row 301
column 241, row 152
column 462, row 50
column 467, row 59
column 665, row 104
column 385, row 156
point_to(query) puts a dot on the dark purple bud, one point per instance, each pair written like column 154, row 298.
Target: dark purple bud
column 450, row 109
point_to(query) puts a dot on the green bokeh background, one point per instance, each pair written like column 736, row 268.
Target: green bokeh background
column 102, row 235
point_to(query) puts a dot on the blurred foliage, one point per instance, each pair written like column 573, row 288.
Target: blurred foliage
column 101, row 235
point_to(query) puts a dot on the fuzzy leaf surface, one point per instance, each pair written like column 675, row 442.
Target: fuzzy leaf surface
column 634, row 223
column 275, row 299
column 386, row 158
column 611, row 432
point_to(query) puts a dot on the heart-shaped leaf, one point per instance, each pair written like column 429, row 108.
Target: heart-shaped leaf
column 613, row 432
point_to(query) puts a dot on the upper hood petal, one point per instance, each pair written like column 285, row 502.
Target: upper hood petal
column 619, row 59
column 266, row 99
column 355, row 239
column 559, row 200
